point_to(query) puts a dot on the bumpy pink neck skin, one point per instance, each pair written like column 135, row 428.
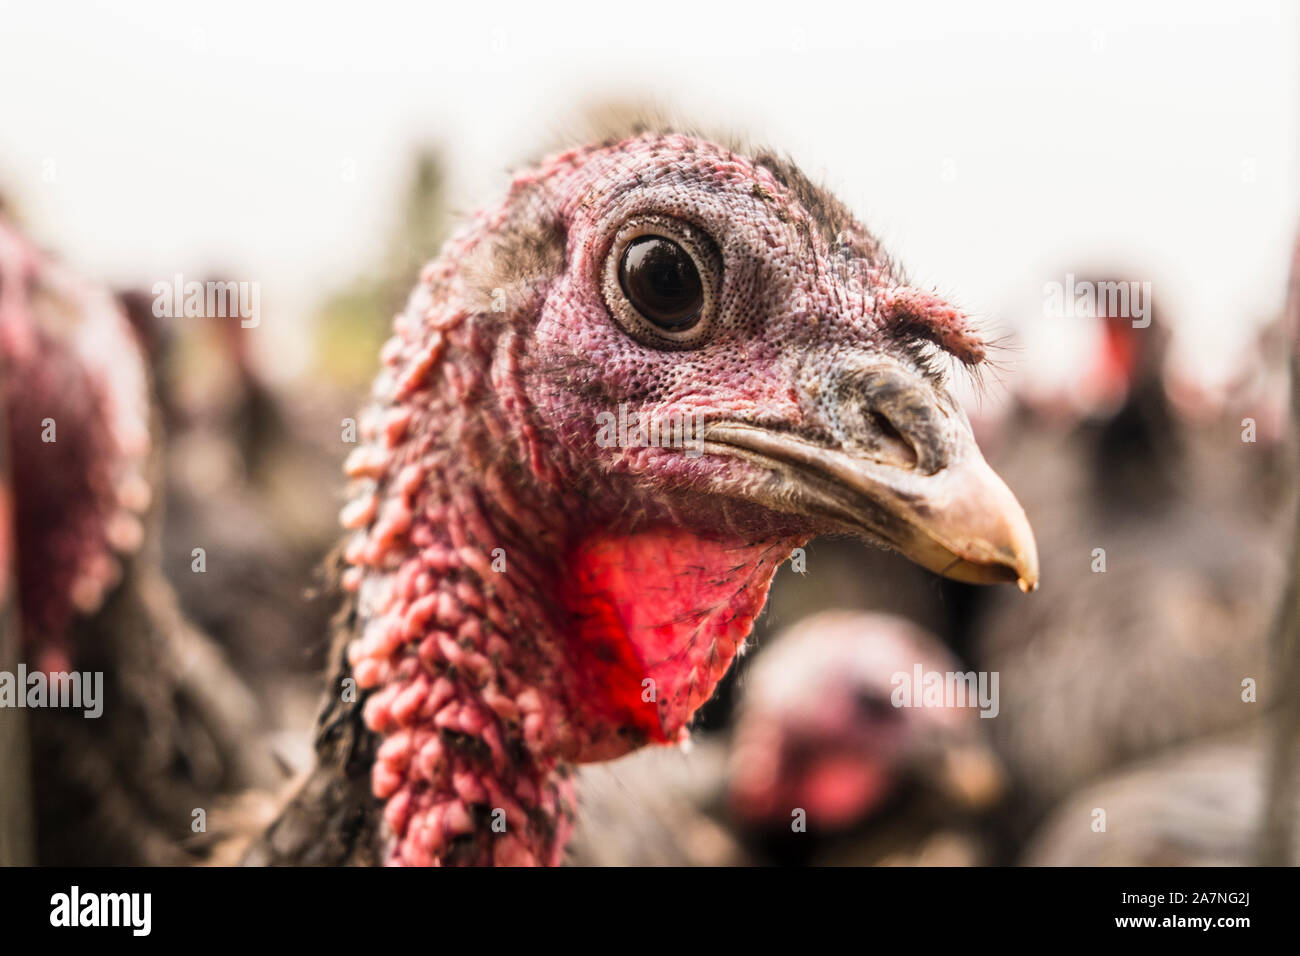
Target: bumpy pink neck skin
column 506, row 630
column 469, row 758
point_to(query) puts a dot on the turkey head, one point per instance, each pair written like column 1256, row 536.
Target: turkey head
column 613, row 406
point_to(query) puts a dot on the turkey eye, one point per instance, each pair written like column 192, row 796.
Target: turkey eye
column 661, row 280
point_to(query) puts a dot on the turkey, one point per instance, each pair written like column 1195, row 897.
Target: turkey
column 832, row 761
column 173, row 734
column 611, row 408
column 834, row 722
column 1164, row 570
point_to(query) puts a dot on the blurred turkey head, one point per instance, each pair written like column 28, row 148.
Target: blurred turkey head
column 1088, row 363
column 818, row 729
column 74, row 385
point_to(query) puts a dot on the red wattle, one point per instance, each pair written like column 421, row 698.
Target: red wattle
column 658, row 617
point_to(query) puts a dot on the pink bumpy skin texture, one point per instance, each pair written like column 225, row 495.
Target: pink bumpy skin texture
column 527, row 597
column 75, row 389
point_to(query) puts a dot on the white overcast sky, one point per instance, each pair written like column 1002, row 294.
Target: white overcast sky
column 993, row 146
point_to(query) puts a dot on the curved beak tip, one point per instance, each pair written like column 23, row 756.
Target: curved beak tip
column 982, row 534
column 1022, row 558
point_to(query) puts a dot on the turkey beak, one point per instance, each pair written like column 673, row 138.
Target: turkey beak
column 907, row 471
column 971, row 776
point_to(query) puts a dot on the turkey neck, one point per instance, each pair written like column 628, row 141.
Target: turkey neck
column 498, row 640
column 454, row 639
column 1138, row 462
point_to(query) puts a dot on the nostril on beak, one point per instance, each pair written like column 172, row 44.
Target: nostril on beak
column 892, row 415
column 898, row 450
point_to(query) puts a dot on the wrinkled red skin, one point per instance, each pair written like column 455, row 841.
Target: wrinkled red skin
column 517, row 585
column 660, row 617
column 837, row 789
column 67, row 354
column 837, row 778
column 1117, row 364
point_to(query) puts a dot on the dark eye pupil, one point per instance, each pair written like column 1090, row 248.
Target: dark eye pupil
column 660, row 279
column 877, row 708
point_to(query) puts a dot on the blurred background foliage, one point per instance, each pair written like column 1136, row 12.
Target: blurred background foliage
column 354, row 320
